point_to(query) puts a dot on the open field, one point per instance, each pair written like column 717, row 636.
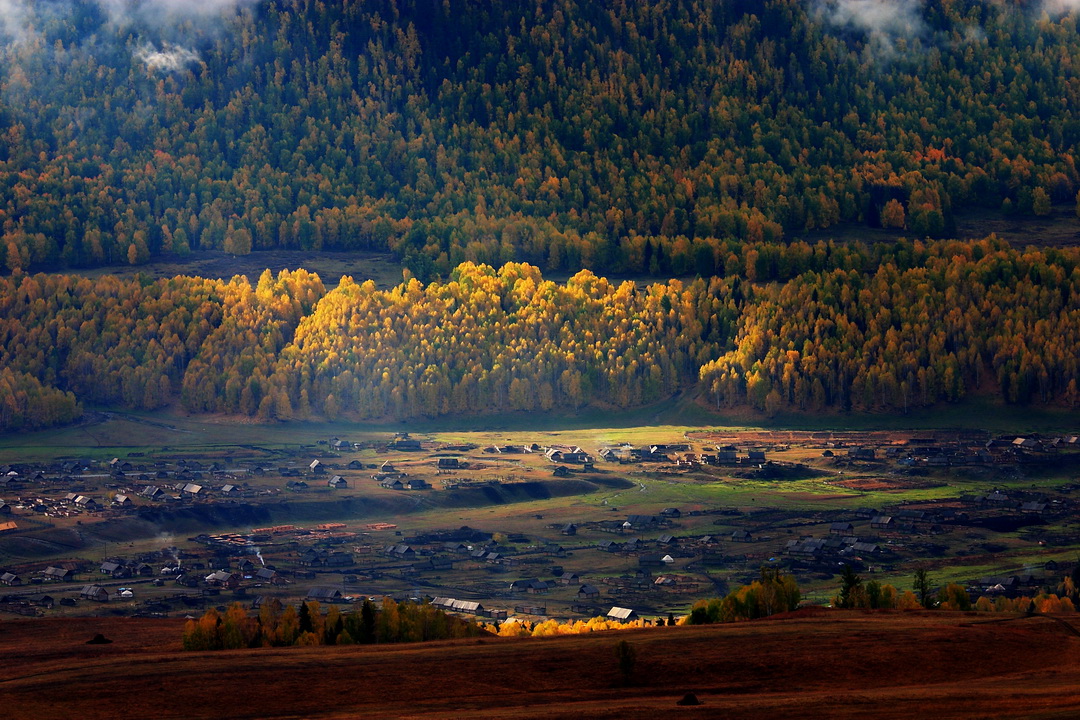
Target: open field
column 808, row 664
column 1058, row 229
column 330, row 266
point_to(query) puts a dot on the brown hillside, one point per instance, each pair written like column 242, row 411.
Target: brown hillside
column 809, row 664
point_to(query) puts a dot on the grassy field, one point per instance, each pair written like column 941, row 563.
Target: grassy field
column 1058, row 229
column 330, row 266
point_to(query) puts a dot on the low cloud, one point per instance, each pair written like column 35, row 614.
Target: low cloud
column 169, row 12
column 1059, row 7
column 15, row 20
column 170, row 58
column 884, row 21
column 197, row 17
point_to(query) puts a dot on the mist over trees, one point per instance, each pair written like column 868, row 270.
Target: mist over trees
column 630, row 138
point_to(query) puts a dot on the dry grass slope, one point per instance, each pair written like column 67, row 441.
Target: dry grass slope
column 808, row 664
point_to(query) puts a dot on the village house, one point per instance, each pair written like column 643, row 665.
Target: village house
column 588, row 592
column 311, row 557
column 152, row 492
column 532, row 587
column 224, row 578
column 10, row 579
column 882, row 522
column 57, row 574
column 470, row 607
column 325, row 594
column 575, row 456
column 406, row 444
column 338, row 483
column 42, row 600
column 95, row 593
column 270, row 576
column 622, row 614
column 339, row 559
column 639, row 521
column 401, row 551
column 113, row 569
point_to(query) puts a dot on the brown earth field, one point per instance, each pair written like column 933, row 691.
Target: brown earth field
column 811, row 663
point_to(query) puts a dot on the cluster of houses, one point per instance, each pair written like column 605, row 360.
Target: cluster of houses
column 682, row 454
column 971, row 450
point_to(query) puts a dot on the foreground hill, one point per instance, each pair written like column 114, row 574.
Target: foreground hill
column 812, row 663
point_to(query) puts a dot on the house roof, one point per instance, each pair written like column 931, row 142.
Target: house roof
column 470, row 606
column 326, row 593
column 619, row 613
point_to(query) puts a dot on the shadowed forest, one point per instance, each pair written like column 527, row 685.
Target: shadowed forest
column 633, row 138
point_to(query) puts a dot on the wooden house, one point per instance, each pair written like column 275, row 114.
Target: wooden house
column 588, row 592
column 622, row 614
column 325, row 594
column 95, row 593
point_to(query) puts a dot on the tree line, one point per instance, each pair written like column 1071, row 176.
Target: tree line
column 278, row 625
column 773, row 593
column 628, row 138
column 793, row 327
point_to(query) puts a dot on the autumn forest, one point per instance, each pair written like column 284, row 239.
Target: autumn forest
column 486, row 145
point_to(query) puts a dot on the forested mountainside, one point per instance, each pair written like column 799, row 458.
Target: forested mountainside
column 617, row 136
column 889, row 327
